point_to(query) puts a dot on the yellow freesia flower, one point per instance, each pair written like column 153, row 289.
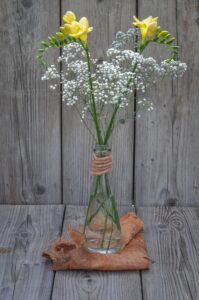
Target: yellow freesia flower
column 147, row 27
column 76, row 29
column 69, row 17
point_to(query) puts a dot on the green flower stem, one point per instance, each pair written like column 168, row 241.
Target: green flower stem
column 110, row 126
column 84, row 99
column 101, row 204
column 95, row 115
column 104, row 231
column 114, row 208
column 110, row 237
column 92, row 197
column 116, row 217
column 101, row 109
column 98, row 209
column 107, row 213
column 85, row 124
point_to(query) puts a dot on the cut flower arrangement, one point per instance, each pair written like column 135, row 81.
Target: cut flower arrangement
column 98, row 90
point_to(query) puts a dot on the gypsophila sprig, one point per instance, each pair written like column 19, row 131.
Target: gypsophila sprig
column 95, row 86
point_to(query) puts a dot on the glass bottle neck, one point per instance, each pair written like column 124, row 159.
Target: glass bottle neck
column 102, row 150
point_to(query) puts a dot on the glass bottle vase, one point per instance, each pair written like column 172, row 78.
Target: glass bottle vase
column 102, row 225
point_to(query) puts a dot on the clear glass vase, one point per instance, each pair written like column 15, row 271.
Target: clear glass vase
column 102, row 225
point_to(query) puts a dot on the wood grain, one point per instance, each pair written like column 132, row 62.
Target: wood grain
column 94, row 285
column 167, row 147
column 29, row 112
column 25, row 231
column 172, row 239
column 107, row 17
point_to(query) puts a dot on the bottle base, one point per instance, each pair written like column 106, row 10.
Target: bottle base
column 103, row 250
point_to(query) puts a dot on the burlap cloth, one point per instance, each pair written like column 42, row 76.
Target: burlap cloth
column 71, row 254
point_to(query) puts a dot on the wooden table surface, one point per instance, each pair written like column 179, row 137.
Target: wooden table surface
column 172, row 239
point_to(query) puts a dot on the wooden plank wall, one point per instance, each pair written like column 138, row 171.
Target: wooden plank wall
column 45, row 153
column 30, row 160
column 167, row 144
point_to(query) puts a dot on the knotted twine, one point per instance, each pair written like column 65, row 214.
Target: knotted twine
column 101, row 164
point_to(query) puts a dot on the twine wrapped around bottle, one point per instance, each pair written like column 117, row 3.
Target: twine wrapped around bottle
column 101, row 164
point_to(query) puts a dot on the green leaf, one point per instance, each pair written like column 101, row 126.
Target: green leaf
column 170, row 41
column 156, row 38
column 163, row 33
column 165, row 38
column 63, row 43
column 51, row 41
column 168, row 36
column 41, row 50
column 72, row 39
column 158, row 30
column 45, row 44
column 55, row 41
column 175, row 47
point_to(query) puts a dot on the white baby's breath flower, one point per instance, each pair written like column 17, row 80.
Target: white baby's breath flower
column 114, row 79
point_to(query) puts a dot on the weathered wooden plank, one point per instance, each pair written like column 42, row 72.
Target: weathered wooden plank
column 94, row 285
column 172, row 239
column 25, row 231
column 188, row 93
column 29, row 112
column 107, row 17
column 154, row 134
column 166, row 145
